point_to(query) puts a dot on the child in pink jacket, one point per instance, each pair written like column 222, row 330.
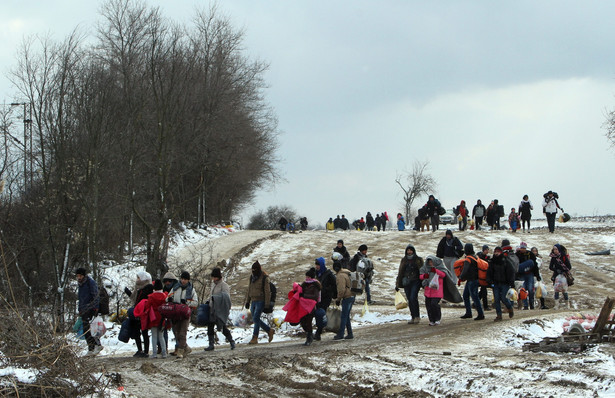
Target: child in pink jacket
column 433, row 296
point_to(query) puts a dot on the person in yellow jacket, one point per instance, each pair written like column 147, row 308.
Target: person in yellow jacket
column 330, row 226
column 345, row 297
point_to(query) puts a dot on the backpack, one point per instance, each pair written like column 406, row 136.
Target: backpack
column 458, row 266
column 512, row 259
column 441, row 211
column 365, row 266
column 274, row 292
column 483, row 266
column 103, row 301
column 356, row 282
column 501, row 210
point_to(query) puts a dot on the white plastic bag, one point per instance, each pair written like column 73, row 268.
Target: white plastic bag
column 511, row 295
column 400, row 301
column 242, row 319
column 97, row 327
column 544, row 290
column 560, row 284
column 434, row 283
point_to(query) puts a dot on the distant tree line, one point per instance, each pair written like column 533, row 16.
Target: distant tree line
column 145, row 124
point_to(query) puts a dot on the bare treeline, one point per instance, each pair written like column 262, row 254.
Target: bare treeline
column 143, row 124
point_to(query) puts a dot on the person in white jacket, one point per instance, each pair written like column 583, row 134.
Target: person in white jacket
column 549, row 207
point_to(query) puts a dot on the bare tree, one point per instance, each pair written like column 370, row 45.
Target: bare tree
column 414, row 184
column 609, row 124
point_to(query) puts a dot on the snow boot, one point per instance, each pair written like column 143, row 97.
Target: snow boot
column 308, row 339
column 210, row 347
column 254, row 340
column 179, row 353
column 511, row 313
column 232, row 342
column 318, row 333
column 270, row 333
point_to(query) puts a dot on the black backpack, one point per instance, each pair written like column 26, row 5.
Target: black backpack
column 501, row 210
column 274, row 292
column 103, row 301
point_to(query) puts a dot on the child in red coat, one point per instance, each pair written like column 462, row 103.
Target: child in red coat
column 433, row 294
column 156, row 299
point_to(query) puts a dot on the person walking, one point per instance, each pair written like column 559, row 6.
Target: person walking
column 143, row 288
column 369, row 221
column 525, row 211
column 478, row 213
column 344, row 224
column 401, row 223
column 470, row 275
column 341, row 249
column 219, row 309
column 183, row 293
column 345, row 297
column 560, row 265
column 367, row 269
column 449, row 250
column 409, row 279
column 330, row 225
column 88, row 308
column 311, row 290
column 434, row 291
column 328, row 292
column 528, row 270
column 513, row 220
column 156, row 324
column 483, row 292
column 433, row 210
column 549, row 208
column 501, row 275
column 539, row 262
column 259, row 295
column 461, row 212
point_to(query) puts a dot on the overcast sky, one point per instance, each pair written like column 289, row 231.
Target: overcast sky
column 502, row 98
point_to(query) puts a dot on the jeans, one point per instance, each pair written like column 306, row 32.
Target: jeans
column 478, row 221
column 321, row 318
column 257, row 309
column 345, row 317
column 556, row 295
column 463, row 223
column 551, row 221
column 434, row 312
column 528, row 284
column 499, row 296
column 471, row 290
column 412, row 294
column 158, row 338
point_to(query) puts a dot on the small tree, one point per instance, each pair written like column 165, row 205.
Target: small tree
column 609, row 124
column 414, row 184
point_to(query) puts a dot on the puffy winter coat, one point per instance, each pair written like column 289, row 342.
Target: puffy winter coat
column 88, row 296
column 343, row 284
column 500, row 271
column 434, row 293
column 409, row 268
column 329, row 288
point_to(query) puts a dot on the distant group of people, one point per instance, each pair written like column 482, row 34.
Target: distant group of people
column 367, row 223
column 289, row 225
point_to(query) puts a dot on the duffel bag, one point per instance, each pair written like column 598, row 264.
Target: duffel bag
column 124, row 335
column 202, row 316
column 175, row 311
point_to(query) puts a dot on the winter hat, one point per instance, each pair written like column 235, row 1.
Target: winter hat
column 157, row 284
column 523, row 245
column 169, row 277
column 485, row 247
column 144, row 276
column 410, row 247
column 505, row 242
column 341, row 241
column 337, row 266
column 468, row 249
column 362, row 247
column 216, row 273
column 320, row 261
column 311, row 273
column 256, row 268
column 185, row 275
column 449, row 232
column 497, row 249
column 81, row 271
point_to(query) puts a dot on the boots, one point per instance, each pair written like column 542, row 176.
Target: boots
column 567, row 304
column 254, row 340
column 498, row 318
column 187, row 350
column 318, row 333
column 211, row 344
column 179, row 353
column 270, row 333
column 309, row 339
column 232, row 344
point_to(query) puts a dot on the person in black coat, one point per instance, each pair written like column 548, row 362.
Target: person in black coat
column 369, row 221
column 328, row 282
column 344, row 224
column 501, row 276
column 528, row 270
column 341, row 249
column 478, row 213
column 449, row 250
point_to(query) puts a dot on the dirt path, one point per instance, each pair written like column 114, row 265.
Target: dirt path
column 456, row 359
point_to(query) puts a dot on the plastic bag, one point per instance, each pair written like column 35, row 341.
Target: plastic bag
column 334, row 318
column 543, row 289
column 365, row 309
column 78, row 325
column 511, row 294
column 97, row 327
column 560, row 284
column 434, row 283
column 538, row 293
column 241, row 320
column 400, row 301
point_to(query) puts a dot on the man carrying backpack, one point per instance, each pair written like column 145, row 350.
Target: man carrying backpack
column 327, row 294
column 88, row 308
column 501, row 276
column 449, row 250
column 470, row 275
column 364, row 265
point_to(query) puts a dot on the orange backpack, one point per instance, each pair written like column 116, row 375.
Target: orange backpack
column 482, row 270
column 458, row 266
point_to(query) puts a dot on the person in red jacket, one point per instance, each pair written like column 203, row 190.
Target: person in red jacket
column 156, row 323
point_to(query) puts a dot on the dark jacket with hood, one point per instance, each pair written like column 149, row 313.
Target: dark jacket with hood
column 88, row 296
column 449, row 247
column 500, row 271
column 559, row 262
column 409, row 268
column 344, row 252
column 327, row 280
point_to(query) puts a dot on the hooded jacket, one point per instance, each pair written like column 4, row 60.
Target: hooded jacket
column 500, row 271
column 409, row 268
column 328, row 284
column 88, row 296
column 450, row 292
column 449, row 248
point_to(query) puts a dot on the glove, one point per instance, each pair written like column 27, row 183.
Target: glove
column 433, row 269
column 337, row 302
column 397, row 289
column 183, row 301
column 425, row 276
column 247, row 306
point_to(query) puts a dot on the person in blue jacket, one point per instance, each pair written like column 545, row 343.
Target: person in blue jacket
column 88, row 307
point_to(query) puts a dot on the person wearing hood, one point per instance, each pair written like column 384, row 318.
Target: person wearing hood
column 500, row 275
column 560, row 265
column 434, row 290
column 183, row 293
column 401, row 223
column 478, row 213
column 219, row 309
column 143, row 288
column 327, row 294
column 433, row 210
column 259, row 295
column 525, row 211
column 461, row 212
column 341, row 249
column 528, row 270
column 369, row 221
column 345, row 297
column 330, row 225
column 449, row 250
column 549, row 208
column 311, row 290
column 482, row 293
column 409, row 278
column 470, row 275
column 88, row 307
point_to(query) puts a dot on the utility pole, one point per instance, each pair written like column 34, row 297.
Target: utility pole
column 27, row 125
